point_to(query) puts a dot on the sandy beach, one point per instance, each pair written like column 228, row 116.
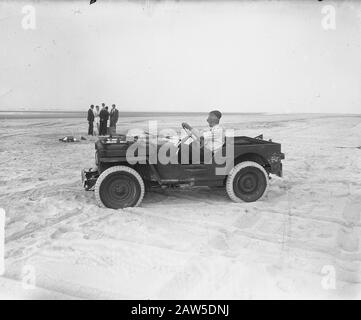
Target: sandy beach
column 188, row 243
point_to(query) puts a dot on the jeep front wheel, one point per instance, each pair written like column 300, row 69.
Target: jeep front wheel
column 247, row 181
column 119, row 187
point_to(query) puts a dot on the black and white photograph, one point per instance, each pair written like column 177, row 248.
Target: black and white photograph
column 179, row 150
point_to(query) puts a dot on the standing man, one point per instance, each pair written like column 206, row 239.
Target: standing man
column 96, row 115
column 114, row 115
column 103, row 121
column 104, row 116
column 106, row 119
column 91, row 120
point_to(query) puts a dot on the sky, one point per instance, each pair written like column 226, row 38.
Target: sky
column 237, row 56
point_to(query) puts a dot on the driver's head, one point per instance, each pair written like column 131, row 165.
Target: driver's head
column 214, row 117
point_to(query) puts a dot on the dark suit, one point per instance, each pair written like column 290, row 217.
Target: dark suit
column 91, row 121
column 103, row 118
column 114, row 115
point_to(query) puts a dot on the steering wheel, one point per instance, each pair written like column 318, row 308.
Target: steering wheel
column 189, row 135
column 188, row 132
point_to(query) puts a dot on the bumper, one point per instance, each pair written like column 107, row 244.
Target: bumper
column 89, row 178
column 278, row 170
column 276, row 164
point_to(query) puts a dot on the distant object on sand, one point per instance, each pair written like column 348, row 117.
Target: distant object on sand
column 69, row 139
column 349, row 147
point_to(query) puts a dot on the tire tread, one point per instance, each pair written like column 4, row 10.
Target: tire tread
column 118, row 169
column 233, row 173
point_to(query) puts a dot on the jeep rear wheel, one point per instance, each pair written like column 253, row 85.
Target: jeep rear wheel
column 119, row 187
column 247, row 181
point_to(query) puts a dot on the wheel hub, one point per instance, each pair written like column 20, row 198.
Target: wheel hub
column 247, row 182
column 121, row 190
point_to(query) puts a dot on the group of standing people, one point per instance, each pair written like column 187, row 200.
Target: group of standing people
column 105, row 120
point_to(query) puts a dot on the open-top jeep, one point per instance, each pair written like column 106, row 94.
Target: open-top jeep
column 120, row 180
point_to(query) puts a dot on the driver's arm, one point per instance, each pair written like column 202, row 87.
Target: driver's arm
column 196, row 133
column 199, row 136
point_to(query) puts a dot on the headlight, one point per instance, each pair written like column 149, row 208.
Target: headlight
column 96, row 158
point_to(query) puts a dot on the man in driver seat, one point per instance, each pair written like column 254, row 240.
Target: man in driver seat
column 208, row 141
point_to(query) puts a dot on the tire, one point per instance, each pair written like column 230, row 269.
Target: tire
column 119, row 187
column 247, row 182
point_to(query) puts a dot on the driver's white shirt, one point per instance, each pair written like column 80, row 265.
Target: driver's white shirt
column 214, row 138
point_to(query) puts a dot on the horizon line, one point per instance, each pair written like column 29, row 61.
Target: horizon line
column 175, row 112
